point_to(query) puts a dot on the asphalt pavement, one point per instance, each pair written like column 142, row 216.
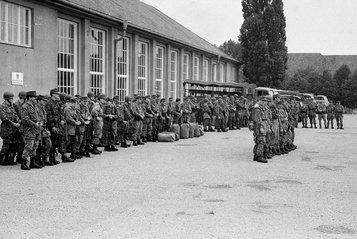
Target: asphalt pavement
column 205, row 187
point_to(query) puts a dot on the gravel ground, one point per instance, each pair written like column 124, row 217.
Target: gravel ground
column 205, row 187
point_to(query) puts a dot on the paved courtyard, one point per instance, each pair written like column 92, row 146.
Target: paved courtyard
column 205, row 187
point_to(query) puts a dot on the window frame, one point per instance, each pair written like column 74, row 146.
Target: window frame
column 173, row 72
column 205, row 70
column 21, row 28
column 159, row 69
column 73, row 70
column 145, row 70
column 196, row 68
column 125, row 68
column 185, row 66
column 103, row 65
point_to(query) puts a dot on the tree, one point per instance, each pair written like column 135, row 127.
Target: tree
column 232, row 49
column 349, row 98
column 342, row 74
column 263, row 38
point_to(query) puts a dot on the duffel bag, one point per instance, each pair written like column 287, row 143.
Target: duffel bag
column 166, row 137
column 185, row 131
column 192, row 130
column 175, row 128
column 197, row 132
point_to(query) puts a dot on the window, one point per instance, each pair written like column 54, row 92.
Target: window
column 223, row 73
column 122, row 61
column 214, row 72
column 205, row 70
column 159, row 87
column 15, row 24
column 97, row 61
column 233, row 74
column 185, row 66
column 196, row 68
column 142, row 68
column 173, row 72
column 67, row 57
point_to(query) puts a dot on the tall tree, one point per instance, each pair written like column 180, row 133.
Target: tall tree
column 263, row 38
column 232, row 49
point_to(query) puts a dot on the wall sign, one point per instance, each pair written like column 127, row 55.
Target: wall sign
column 17, row 78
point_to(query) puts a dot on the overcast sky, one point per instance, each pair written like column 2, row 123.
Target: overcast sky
column 319, row 26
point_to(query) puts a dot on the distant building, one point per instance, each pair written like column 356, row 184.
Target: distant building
column 70, row 44
column 319, row 62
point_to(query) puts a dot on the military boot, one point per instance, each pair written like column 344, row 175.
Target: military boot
column 139, row 142
column 95, row 150
column 107, row 148
column 66, row 159
column 123, row 145
column 261, row 159
column 113, row 148
column 25, row 165
column 34, row 164
column 135, row 143
column 2, row 160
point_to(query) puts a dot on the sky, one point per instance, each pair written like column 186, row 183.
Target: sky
column 328, row 27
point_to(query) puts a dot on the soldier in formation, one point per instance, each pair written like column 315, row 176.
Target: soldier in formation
column 272, row 122
column 60, row 128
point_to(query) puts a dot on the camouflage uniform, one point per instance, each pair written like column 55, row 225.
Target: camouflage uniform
column 232, row 109
column 259, row 126
column 312, row 106
column 72, row 123
column 339, row 109
column 45, row 143
column 220, row 117
column 97, row 114
column 136, row 126
column 304, row 112
column 31, row 122
column 109, row 126
column 8, row 132
column 330, row 109
column 321, row 114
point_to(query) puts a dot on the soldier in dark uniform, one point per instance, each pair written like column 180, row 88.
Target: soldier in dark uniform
column 9, row 129
column 312, row 106
column 339, row 109
column 218, row 112
column 186, row 110
column 260, row 128
column 147, row 122
column 330, row 109
column 304, row 112
column 124, row 119
column 32, row 124
column 56, row 126
column 72, row 123
column 19, row 137
column 206, row 115
column 163, row 117
column 109, row 120
column 231, row 113
column 97, row 123
column 177, row 112
column 45, row 144
column 85, row 118
column 136, row 124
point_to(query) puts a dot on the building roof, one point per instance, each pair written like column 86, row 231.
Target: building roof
column 146, row 17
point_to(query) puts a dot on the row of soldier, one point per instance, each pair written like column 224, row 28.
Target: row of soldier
column 36, row 128
column 273, row 122
column 326, row 114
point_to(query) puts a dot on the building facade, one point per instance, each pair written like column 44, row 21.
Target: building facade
column 116, row 47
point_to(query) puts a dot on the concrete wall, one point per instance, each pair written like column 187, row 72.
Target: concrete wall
column 38, row 63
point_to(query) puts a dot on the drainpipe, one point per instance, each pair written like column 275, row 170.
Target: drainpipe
column 125, row 26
